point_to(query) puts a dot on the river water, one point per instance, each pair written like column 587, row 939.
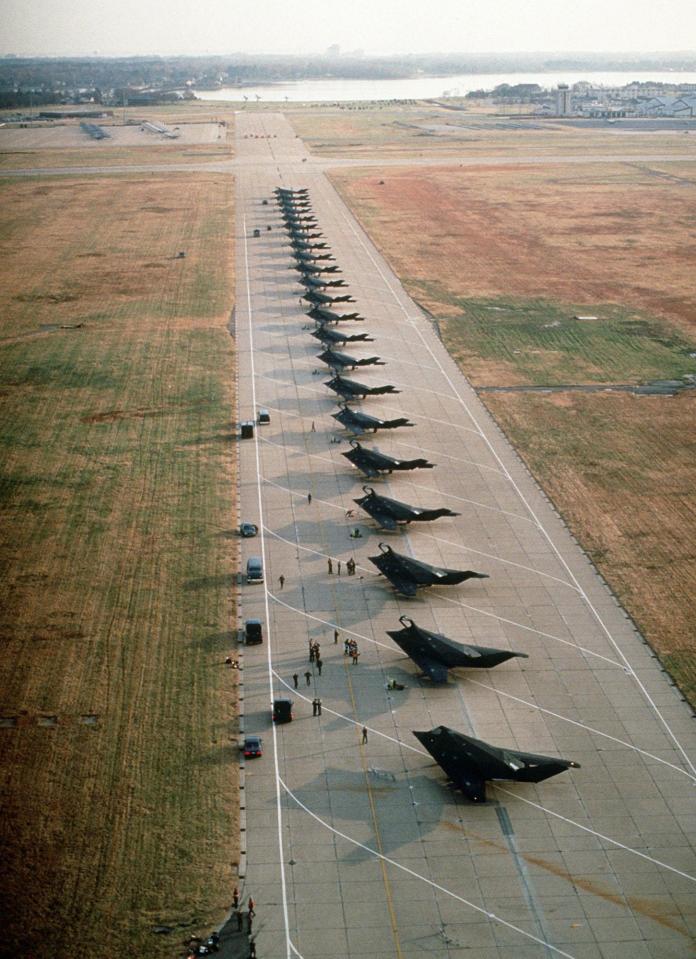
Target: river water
column 420, row 88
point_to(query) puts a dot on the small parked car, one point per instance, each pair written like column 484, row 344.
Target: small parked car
column 253, row 747
column 247, row 530
column 264, row 416
column 254, row 570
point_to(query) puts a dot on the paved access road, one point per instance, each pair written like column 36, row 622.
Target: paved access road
column 360, row 849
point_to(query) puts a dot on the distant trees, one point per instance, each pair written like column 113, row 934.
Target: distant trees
column 52, row 79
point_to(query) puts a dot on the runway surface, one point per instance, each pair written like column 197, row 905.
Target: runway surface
column 361, row 849
column 250, row 157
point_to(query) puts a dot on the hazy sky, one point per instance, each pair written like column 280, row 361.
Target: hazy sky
column 115, row 27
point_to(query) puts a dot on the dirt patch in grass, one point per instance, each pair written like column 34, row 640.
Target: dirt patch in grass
column 115, row 491
column 504, row 259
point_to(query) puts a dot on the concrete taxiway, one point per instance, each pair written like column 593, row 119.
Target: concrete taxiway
column 360, row 849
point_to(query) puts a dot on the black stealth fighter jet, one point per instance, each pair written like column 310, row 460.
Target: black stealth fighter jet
column 407, row 575
column 310, row 266
column 352, row 390
column 295, row 203
column 371, row 462
column 295, row 233
column 304, row 221
column 390, row 512
column 435, row 654
column 322, row 315
column 344, row 361
column 306, row 246
column 319, row 298
column 319, row 282
column 281, row 191
column 325, row 334
column 359, row 423
column 470, row 763
column 302, row 258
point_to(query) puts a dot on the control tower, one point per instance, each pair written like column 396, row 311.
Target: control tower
column 563, row 100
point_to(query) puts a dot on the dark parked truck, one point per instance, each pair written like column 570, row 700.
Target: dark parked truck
column 282, row 710
column 253, row 632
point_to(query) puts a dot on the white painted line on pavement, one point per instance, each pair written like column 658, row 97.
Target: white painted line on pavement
column 457, row 459
column 531, row 629
column 315, row 499
column 279, row 813
column 417, row 875
column 472, row 502
column 497, row 559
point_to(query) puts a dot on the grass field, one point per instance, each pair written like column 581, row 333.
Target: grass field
column 118, row 738
column 581, row 234
column 504, row 259
column 541, row 343
column 621, row 470
column 427, row 130
column 113, row 156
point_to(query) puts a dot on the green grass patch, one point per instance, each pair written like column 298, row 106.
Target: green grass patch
column 538, row 342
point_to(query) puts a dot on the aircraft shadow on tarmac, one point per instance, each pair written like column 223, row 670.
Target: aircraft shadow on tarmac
column 284, row 374
column 278, row 350
column 314, row 595
column 273, row 328
column 293, row 441
column 350, row 803
column 299, row 481
column 310, row 407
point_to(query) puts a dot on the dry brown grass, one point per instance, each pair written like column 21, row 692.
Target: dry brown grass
column 619, row 233
column 622, row 469
column 113, row 156
column 617, row 239
column 118, row 475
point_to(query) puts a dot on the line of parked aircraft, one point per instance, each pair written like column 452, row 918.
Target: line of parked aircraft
column 468, row 762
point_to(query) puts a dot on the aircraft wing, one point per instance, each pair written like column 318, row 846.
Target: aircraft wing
column 348, row 419
column 436, row 671
column 473, row 787
column 367, row 461
column 369, row 361
column 401, row 584
column 368, row 470
column 380, row 516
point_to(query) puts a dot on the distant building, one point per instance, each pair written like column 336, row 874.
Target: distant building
column 563, row 100
column 333, row 51
column 660, row 106
column 685, row 107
